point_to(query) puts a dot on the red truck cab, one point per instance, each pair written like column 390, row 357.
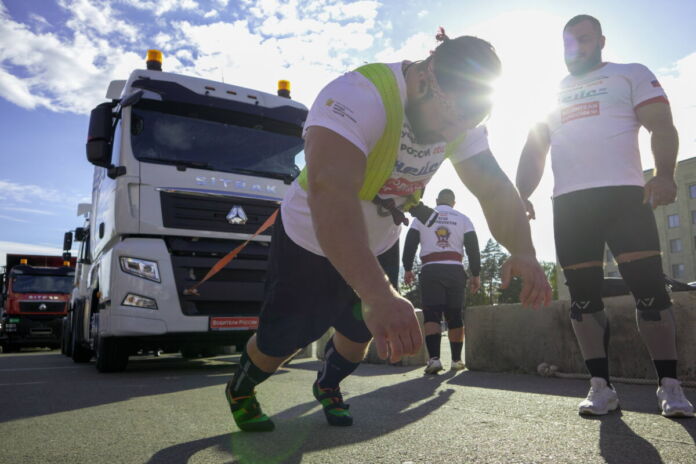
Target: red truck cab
column 36, row 290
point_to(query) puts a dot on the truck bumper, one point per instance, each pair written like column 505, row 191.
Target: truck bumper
column 32, row 330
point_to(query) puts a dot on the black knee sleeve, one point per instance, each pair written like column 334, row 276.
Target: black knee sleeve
column 585, row 287
column 433, row 314
column 646, row 281
column 454, row 318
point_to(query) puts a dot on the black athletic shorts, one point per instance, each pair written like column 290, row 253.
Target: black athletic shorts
column 443, row 288
column 305, row 296
column 585, row 220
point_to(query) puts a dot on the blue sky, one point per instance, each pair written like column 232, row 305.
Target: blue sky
column 57, row 57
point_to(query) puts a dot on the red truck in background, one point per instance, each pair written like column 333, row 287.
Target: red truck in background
column 35, row 294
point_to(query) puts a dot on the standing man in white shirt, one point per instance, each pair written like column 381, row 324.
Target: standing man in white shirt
column 442, row 277
column 600, row 198
column 373, row 139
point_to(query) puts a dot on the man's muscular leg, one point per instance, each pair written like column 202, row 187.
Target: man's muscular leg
column 642, row 272
column 587, row 315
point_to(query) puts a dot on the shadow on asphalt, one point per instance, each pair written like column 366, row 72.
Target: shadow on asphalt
column 302, row 429
column 26, row 376
column 615, row 451
column 375, row 369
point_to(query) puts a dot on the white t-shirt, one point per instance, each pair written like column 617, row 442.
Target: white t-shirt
column 445, row 235
column 352, row 107
column 594, row 128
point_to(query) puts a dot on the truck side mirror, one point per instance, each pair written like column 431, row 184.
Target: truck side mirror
column 99, row 136
column 80, row 234
column 67, row 241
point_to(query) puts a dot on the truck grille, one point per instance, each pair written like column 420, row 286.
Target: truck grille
column 209, row 212
column 40, row 307
column 237, row 289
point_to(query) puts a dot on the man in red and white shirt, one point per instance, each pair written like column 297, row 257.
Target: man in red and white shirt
column 442, row 277
column 600, row 198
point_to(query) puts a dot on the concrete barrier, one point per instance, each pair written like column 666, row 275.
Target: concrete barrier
column 512, row 338
column 419, row 359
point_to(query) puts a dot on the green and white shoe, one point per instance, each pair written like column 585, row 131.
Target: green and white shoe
column 335, row 410
column 247, row 413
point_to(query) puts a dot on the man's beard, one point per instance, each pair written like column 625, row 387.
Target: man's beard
column 413, row 113
column 579, row 67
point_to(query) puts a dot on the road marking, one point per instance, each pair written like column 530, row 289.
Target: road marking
column 39, row 368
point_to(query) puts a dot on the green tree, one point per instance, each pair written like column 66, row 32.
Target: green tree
column 492, row 258
column 412, row 292
column 550, row 271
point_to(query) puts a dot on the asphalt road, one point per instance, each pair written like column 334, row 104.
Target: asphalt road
column 168, row 410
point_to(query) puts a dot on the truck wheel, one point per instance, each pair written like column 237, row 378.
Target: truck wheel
column 190, row 352
column 10, row 348
column 112, row 355
column 80, row 354
column 65, row 342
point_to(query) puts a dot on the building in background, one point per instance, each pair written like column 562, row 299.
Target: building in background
column 676, row 226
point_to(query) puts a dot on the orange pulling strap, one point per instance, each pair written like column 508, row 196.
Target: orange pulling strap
column 231, row 255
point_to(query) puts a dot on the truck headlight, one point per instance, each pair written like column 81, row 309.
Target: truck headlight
column 139, row 301
column 141, row 268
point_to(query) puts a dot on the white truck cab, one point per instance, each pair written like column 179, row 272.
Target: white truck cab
column 186, row 169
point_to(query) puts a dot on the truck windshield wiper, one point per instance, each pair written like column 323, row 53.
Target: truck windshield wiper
column 287, row 178
column 181, row 165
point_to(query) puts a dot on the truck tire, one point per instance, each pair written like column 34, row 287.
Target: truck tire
column 80, row 354
column 190, row 352
column 112, row 355
column 66, row 339
column 10, row 348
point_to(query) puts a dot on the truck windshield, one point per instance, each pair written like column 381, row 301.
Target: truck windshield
column 42, row 284
column 215, row 139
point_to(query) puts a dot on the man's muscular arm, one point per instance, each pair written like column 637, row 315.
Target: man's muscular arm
column 504, row 213
column 335, row 169
column 531, row 165
column 657, row 119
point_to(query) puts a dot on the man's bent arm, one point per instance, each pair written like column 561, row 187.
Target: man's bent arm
column 532, row 160
column 410, row 247
column 473, row 254
column 335, row 169
column 507, row 222
column 499, row 200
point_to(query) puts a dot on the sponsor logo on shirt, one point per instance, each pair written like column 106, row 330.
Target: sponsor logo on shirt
column 429, row 168
column 583, row 94
column 442, row 234
column 340, row 109
column 416, row 153
column 655, row 83
column 579, row 111
column 401, row 187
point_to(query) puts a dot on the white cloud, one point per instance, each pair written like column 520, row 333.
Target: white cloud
column 13, row 192
column 97, row 19
column 422, row 13
column 28, row 210
column 211, row 14
column 307, row 41
column 64, row 74
column 160, row 7
column 11, row 218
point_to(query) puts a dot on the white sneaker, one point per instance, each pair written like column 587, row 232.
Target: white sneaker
column 434, row 366
column 457, row 366
column 671, row 399
column 600, row 400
